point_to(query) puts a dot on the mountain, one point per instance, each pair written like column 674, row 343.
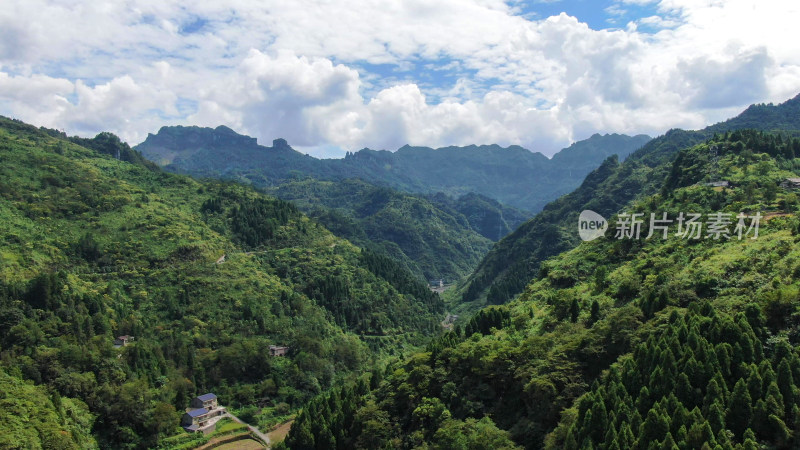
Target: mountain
column 436, row 237
column 511, row 175
column 99, row 243
column 516, row 259
column 621, row 342
column 490, row 218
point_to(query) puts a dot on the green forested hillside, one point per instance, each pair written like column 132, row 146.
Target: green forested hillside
column 436, row 237
column 35, row 418
column 426, row 231
column 490, row 218
column 94, row 247
column 514, row 260
column 624, row 343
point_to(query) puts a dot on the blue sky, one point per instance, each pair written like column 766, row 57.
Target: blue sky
column 337, row 76
column 596, row 14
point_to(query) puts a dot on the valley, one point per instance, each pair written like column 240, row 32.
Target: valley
column 450, row 225
column 339, row 312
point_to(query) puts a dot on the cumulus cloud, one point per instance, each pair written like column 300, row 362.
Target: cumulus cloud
column 308, row 71
column 121, row 104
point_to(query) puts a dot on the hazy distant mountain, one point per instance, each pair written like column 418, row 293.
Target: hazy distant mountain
column 512, row 175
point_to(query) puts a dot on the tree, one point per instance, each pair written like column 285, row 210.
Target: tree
column 785, row 382
column 300, row 436
column 325, row 440
column 777, row 430
column 654, row 428
column 594, row 315
column 716, row 417
column 684, row 390
column 164, row 418
column 749, row 440
column 574, row 310
column 699, row 434
column 430, row 414
column 740, row 408
column 599, row 420
column 669, row 443
column 754, row 383
column 472, row 434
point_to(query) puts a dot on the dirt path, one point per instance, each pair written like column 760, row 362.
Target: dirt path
column 253, row 429
column 237, row 442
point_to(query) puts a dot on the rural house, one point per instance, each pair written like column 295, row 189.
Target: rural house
column 276, row 350
column 791, row 183
column 207, row 401
column 122, row 341
column 203, row 415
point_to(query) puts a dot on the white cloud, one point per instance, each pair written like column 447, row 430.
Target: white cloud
column 121, row 104
column 639, row 2
column 302, row 70
column 658, row 22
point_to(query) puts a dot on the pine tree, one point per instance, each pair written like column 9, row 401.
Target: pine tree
column 774, row 400
column 713, row 392
column 740, row 408
column 760, row 421
column 724, row 358
column 700, row 434
column 680, row 436
column 611, row 435
column 325, row 440
column 659, row 383
column 654, row 428
column 785, row 382
column 716, row 417
column 594, row 313
column 767, row 375
column 570, row 442
column 300, row 436
column 749, row 440
column 625, row 436
column 643, row 401
column 669, row 443
column 754, row 383
column 694, row 371
column 599, row 420
column 684, row 390
column 778, row 432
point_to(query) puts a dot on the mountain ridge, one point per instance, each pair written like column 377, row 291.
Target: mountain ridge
column 515, row 259
column 618, row 343
column 490, row 170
